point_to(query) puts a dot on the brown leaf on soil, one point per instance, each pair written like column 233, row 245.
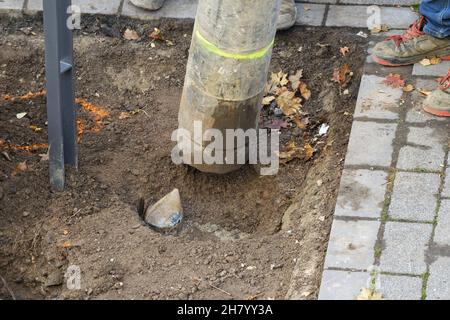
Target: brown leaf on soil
column 277, row 80
column 309, row 151
column 344, row 51
column 124, row 115
column 156, row 34
column 342, row 75
column 299, row 123
column 295, row 79
column 277, row 124
column 394, row 80
column 131, row 35
column 21, row 167
column 289, row 103
column 304, row 91
column 267, row 100
column 291, row 151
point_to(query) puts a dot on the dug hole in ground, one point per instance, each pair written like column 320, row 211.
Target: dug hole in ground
column 244, row 236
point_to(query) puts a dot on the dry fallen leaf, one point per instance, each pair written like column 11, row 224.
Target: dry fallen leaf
column 344, row 51
column 156, row 34
column 20, row 167
column 425, row 62
column 300, row 124
column 394, row 81
column 67, row 245
column 408, row 88
column 435, row 60
column 35, row 128
column 342, row 75
column 292, row 151
column 304, row 91
column 428, row 62
column 124, row 115
column 369, row 294
column 289, row 103
column 277, row 124
column 267, row 100
column 131, row 35
column 295, row 79
column 379, row 28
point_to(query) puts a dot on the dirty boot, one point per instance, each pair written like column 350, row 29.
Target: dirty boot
column 148, row 4
column 411, row 47
column 438, row 102
column 288, row 15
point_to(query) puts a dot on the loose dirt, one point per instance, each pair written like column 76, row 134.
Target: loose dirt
column 244, row 236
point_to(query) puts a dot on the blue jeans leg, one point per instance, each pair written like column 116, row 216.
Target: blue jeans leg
column 437, row 16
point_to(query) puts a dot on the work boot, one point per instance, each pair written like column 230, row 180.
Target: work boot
column 438, row 102
column 148, row 4
column 411, row 47
column 288, row 15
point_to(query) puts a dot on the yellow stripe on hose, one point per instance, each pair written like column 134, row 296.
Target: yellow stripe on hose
column 237, row 56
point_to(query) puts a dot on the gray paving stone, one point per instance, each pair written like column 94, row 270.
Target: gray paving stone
column 361, row 193
column 415, row 113
column 318, row 1
column 7, row 5
column 414, row 196
column 442, row 232
column 395, row 287
column 405, row 245
column 310, row 14
column 437, row 70
column 425, row 149
column 87, row 6
column 381, row 2
column 371, row 144
column 352, row 244
column 343, row 285
column 181, row 9
column 376, row 100
column 446, row 191
column 357, row 16
column 439, row 281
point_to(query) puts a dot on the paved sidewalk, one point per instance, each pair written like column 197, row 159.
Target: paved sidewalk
column 352, row 13
column 391, row 231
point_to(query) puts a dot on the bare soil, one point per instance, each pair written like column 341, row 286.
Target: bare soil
column 243, row 237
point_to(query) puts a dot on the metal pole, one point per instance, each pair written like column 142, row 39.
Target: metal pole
column 60, row 90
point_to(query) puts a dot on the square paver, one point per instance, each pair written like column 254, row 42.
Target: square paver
column 361, row 193
column 352, row 244
column 180, row 9
column 425, row 149
column 358, row 16
column 376, row 100
column 442, row 232
column 405, row 245
column 415, row 196
column 343, row 285
column 371, row 144
column 446, row 192
column 415, row 113
column 310, row 14
column 395, row 287
column 437, row 70
column 87, row 6
column 381, row 2
column 8, row 5
column 438, row 287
